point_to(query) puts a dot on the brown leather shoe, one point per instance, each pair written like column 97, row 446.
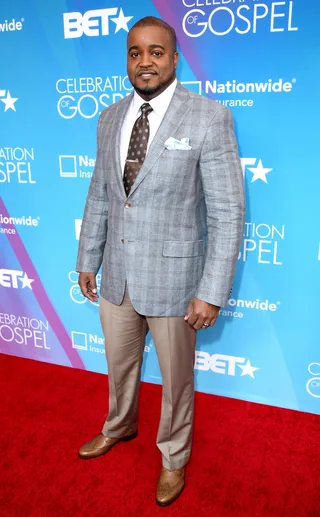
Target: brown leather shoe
column 170, row 486
column 100, row 445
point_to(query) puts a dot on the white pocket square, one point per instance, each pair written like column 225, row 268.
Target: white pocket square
column 173, row 144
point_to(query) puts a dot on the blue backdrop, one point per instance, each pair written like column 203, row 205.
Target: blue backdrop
column 63, row 61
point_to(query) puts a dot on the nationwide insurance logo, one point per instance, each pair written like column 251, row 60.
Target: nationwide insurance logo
column 76, row 166
column 8, row 224
column 87, row 342
column 95, row 23
column 91, row 342
column 238, row 308
column 239, row 94
column 12, row 25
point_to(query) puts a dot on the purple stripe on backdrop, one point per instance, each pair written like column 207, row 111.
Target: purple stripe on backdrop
column 172, row 15
column 42, row 297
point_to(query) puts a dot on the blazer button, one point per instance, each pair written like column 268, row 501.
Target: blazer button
column 127, row 205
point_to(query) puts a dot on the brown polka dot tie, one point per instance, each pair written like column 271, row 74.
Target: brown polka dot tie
column 137, row 148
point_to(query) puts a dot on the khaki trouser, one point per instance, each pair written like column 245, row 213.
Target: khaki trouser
column 125, row 332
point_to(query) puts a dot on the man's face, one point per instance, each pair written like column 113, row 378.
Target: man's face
column 152, row 60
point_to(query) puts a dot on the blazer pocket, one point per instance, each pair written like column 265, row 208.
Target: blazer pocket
column 183, row 248
column 184, row 156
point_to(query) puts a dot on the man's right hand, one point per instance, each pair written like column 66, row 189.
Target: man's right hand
column 88, row 286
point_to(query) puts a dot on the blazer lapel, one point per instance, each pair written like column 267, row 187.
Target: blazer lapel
column 115, row 135
column 178, row 109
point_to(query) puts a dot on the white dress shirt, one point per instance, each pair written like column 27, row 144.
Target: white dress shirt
column 159, row 105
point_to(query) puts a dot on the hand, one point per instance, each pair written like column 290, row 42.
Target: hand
column 88, row 286
column 200, row 312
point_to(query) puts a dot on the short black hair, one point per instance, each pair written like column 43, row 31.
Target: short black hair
column 148, row 21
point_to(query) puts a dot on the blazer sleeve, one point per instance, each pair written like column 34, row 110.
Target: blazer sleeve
column 223, row 187
column 94, row 227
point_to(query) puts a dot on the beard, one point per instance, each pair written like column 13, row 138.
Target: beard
column 158, row 88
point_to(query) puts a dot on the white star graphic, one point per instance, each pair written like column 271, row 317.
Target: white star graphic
column 9, row 102
column 259, row 172
column 247, row 369
column 26, row 282
column 121, row 21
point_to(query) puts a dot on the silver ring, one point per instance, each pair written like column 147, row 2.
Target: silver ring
column 205, row 325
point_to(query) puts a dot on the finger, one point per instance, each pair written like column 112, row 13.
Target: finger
column 93, row 284
column 189, row 312
column 199, row 323
column 203, row 319
column 212, row 322
column 92, row 292
column 192, row 319
column 93, row 297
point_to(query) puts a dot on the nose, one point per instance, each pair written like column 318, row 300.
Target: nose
column 145, row 60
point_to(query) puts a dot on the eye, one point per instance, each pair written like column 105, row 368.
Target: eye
column 157, row 53
column 134, row 54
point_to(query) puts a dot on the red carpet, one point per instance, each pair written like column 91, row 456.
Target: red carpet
column 248, row 460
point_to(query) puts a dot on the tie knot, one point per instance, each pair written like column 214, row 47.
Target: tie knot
column 145, row 109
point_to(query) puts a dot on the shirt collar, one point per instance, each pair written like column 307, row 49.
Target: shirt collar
column 159, row 104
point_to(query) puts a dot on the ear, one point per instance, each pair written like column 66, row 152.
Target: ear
column 175, row 59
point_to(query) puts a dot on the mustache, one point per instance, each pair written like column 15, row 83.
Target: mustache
column 147, row 70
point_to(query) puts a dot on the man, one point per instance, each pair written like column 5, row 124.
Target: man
column 164, row 217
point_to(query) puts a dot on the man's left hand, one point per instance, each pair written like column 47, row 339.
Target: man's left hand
column 201, row 314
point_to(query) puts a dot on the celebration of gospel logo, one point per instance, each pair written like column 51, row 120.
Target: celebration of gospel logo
column 222, row 17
